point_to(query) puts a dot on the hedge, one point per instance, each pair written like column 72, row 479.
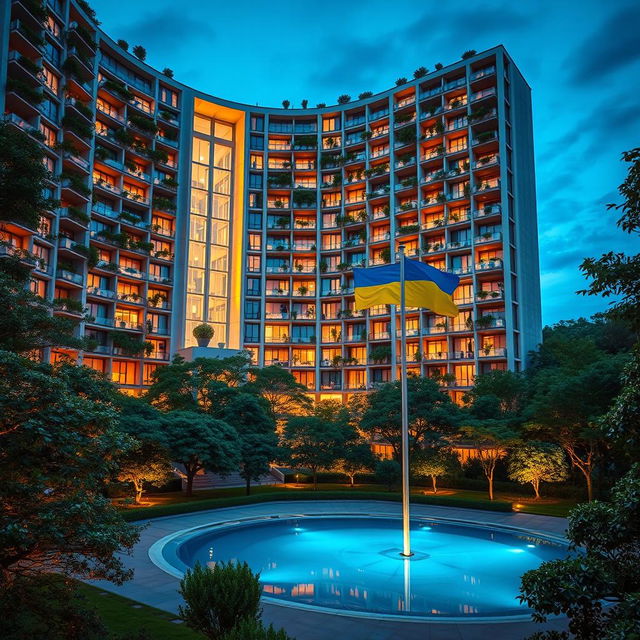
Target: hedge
column 448, row 482
column 282, row 496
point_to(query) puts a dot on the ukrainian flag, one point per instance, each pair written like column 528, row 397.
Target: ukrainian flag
column 425, row 286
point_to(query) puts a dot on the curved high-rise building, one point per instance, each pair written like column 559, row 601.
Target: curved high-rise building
column 178, row 208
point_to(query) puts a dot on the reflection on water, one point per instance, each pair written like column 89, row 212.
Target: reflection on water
column 354, row 564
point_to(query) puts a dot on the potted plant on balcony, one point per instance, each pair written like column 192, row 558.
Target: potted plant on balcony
column 486, row 348
column 482, row 294
column 484, row 322
column 203, row 334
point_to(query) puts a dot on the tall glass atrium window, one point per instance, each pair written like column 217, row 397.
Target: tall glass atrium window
column 209, row 233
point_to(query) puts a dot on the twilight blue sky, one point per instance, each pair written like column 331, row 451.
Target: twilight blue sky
column 582, row 60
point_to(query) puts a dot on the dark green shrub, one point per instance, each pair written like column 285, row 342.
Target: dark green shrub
column 254, row 630
column 218, row 599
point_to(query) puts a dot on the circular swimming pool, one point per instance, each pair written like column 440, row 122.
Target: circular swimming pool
column 351, row 564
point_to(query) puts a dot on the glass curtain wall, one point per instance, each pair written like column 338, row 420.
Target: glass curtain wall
column 209, row 232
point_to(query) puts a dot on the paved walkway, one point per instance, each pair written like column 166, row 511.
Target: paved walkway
column 154, row 587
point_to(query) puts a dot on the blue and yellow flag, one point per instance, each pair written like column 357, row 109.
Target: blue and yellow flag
column 425, row 286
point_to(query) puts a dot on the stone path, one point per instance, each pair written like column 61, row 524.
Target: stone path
column 154, row 587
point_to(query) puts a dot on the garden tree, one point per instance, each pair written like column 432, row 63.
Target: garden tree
column 284, row 395
column 217, row 599
column 57, row 447
column 491, row 441
column 598, row 590
column 145, row 462
column 205, row 384
column 388, row 473
column 432, row 414
column 434, row 463
column 333, row 411
column 26, row 322
column 312, row 443
column 622, row 422
column 356, row 458
column 47, row 606
column 357, row 406
column 572, row 345
column 197, row 442
column 536, row 462
column 508, row 388
column 258, row 440
column 616, row 274
column 566, row 408
column 23, row 176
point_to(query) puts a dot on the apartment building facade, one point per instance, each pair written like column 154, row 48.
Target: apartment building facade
column 177, row 207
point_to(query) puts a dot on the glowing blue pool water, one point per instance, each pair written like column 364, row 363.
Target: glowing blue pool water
column 353, row 564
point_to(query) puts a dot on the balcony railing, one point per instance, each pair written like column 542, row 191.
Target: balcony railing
column 492, row 352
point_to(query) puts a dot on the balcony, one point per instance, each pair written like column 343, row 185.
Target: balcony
column 495, row 236
column 482, row 73
column 492, row 352
column 454, row 84
column 70, row 276
column 405, row 102
column 436, row 356
column 485, row 93
column 489, row 296
column 131, row 272
column 103, row 321
column 459, row 244
column 103, row 293
column 488, row 210
column 484, row 137
column 490, row 321
column 487, row 185
column 489, row 265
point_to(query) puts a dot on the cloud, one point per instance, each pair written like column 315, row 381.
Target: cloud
column 360, row 61
column 169, row 29
column 610, row 48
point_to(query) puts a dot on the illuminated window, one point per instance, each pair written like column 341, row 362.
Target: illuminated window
column 195, row 307
column 223, row 131
column 222, row 157
column 221, row 207
column 124, row 372
column 195, row 280
column 197, row 228
column 199, row 202
column 219, row 258
column 199, row 176
column 201, row 150
column 221, row 181
column 197, row 252
column 220, row 232
column 202, row 124
column 217, row 310
column 218, row 283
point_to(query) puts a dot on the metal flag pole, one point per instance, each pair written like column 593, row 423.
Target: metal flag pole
column 406, row 536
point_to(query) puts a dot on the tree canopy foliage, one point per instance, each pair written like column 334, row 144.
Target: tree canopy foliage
column 608, row 571
column 58, row 444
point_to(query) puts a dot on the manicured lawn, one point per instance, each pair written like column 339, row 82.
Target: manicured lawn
column 122, row 615
column 174, row 503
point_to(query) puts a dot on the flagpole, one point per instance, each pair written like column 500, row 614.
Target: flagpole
column 406, row 537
